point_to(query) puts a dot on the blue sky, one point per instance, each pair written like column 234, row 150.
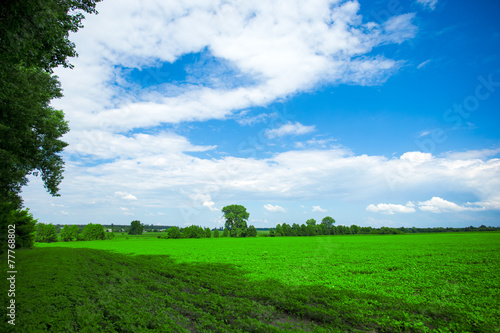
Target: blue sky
column 378, row 113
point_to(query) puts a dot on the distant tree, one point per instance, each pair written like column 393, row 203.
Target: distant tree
column 311, row 230
column 193, row 231
column 311, row 222
column 323, row 230
column 225, row 233
column 279, row 230
column 271, row 232
column 216, row 233
column 303, row 230
column 109, row 235
column 208, row 233
column 93, row 232
column 65, row 236
column 252, row 232
column 173, row 232
column 236, row 220
column 46, row 233
column 296, row 229
column 355, row 229
column 287, row 230
column 328, row 221
column 136, row 228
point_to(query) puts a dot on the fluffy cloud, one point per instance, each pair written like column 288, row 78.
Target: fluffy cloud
column 434, row 205
column 289, row 129
column 125, row 195
column 274, row 209
column 318, row 209
column 439, row 205
column 326, row 174
column 391, row 208
column 204, row 200
column 273, row 48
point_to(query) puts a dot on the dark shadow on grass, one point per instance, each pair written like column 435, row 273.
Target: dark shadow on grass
column 88, row 290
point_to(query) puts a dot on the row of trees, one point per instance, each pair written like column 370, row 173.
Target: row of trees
column 194, row 231
column 46, row 233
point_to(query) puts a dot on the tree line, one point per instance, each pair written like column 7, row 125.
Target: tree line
column 46, row 233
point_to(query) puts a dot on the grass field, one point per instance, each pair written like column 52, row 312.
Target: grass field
column 361, row 283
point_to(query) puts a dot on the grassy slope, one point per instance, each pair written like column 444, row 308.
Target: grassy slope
column 366, row 283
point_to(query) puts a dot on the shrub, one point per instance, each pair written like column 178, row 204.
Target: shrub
column 252, row 232
column 46, row 233
column 93, row 232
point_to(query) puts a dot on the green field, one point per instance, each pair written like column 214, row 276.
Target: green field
column 361, row 283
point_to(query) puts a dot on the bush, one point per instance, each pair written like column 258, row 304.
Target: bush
column 69, row 233
column 93, row 232
column 46, row 233
column 252, row 232
column 216, row 233
column 173, row 232
column 24, row 227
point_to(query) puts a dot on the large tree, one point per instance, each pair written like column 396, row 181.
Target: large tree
column 136, row 228
column 34, row 39
column 236, row 220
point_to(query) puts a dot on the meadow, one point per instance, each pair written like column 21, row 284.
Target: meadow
column 446, row 282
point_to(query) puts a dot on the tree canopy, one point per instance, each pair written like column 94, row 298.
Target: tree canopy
column 236, row 220
column 35, row 33
column 34, row 39
column 136, row 228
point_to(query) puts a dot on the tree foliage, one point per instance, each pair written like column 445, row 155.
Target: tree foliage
column 92, row 232
column 24, row 226
column 136, row 228
column 236, row 220
column 34, row 39
column 69, row 233
column 327, row 221
column 45, row 233
column 35, row 33
column 173, row 232
column 252, row 232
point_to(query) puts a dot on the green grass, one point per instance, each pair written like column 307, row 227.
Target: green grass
column 365, row 283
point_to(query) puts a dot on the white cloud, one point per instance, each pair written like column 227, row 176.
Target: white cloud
column 431, row 4
column 265, row 50
column 125, row 196
column 289, row 129
column 318, row 209
column 473, row 154
column 204, row 200
column 423, row 133
column 416, row 157
column 440, row 205
column 313, row 174
column 126, row 211
column 423, row 64
column 391, row 208
column 275, row 208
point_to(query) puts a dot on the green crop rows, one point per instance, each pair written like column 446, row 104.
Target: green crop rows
column 365, row 283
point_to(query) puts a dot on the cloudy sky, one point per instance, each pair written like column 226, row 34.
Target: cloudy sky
column 381, row 113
